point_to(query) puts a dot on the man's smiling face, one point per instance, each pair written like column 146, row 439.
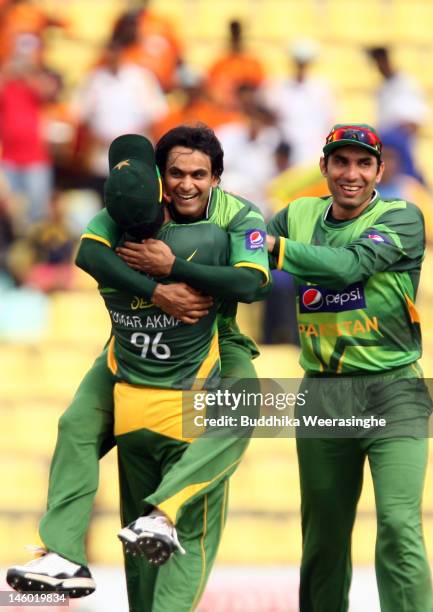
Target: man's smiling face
column 352, row 174
column 188, row 180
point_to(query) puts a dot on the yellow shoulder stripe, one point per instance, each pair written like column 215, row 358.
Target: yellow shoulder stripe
column 97, row 238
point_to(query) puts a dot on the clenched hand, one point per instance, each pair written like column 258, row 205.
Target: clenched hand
column 151, row 256
column 182, row 302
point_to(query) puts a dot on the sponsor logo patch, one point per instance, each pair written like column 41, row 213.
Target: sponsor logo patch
column 255, row 239
column 378, row 237
column 312, row 299
column 319, row 299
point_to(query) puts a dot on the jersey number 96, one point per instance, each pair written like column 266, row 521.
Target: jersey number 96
column 157, row 348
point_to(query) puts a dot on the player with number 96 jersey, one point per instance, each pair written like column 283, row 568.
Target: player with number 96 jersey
column 151, row 348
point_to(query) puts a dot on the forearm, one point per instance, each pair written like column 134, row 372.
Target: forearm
column 333, row 267
column 240, row 284
column 111, row 271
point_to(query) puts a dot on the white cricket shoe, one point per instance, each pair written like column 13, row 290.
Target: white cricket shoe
column 153, row 535
column 51, row 573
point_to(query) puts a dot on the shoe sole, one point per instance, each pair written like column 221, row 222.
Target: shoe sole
column 25, row 582
column 156, row 548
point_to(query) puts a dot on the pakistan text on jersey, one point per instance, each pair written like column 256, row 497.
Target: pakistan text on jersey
column 157, row 321
column 342, row 328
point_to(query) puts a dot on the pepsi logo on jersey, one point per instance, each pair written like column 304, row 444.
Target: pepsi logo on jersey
column 255, row 239
column 312, row 299
column 319, row 299
column 376, row 237
column 379, row 237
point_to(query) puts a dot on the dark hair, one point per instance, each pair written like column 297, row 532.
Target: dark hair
column 283, row 148
column 235, row 28
column 377, row 52
column 198, row 138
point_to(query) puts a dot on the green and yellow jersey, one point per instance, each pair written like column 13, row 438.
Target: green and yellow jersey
column 356, row 283
column 246, row 231
column 231, row 234
column 149, row 347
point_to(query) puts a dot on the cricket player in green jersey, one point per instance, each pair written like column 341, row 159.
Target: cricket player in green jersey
column 154, row 357
column 240, row 221
column 357, row 260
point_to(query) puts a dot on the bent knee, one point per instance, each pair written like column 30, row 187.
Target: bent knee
column 85, row 420
column 398, row 531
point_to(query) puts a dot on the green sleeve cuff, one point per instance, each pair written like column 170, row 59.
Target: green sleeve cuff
column 276, row 249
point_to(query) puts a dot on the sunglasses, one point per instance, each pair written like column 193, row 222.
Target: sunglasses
column 363, row 135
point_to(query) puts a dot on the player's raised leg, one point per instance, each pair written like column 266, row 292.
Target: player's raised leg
column 84, row 435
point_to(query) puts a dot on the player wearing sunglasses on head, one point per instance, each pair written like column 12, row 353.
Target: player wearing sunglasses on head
column 357, row 260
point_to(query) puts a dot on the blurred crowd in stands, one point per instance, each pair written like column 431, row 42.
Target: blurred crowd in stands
column 54, row 140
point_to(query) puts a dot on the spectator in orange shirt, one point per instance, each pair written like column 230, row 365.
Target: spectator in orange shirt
column 21, row 18
column 150, row 41
column 234, row 69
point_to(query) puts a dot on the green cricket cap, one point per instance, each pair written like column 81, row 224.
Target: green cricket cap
column 353, row 134
column 133, row 189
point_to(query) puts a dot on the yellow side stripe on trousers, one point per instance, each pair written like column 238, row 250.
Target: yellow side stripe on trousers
column 224, row 504
column 203, row 557
column 171, row 505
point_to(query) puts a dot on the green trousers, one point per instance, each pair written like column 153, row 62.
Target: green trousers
column 144, row 459
column 86, row 433
column 331, row 472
